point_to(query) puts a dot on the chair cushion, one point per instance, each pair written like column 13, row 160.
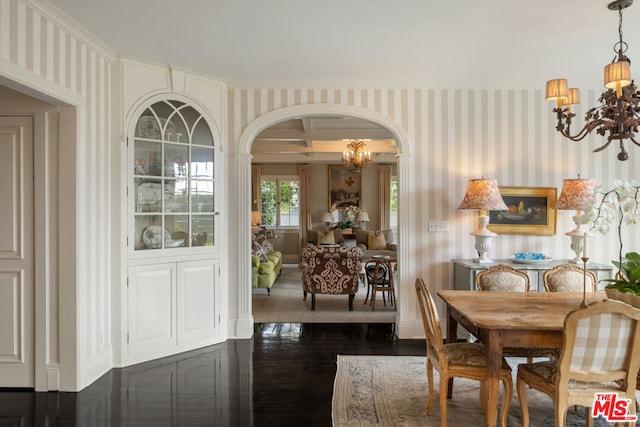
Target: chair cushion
column 468, row 354
column 327, row 238
column 376, row 241
column 503, row 281
column 548, row 371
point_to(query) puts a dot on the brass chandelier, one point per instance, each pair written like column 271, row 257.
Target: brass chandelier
column 356, row 156
column 618, row 115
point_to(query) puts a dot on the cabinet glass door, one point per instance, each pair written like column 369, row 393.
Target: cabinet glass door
column 173, row 162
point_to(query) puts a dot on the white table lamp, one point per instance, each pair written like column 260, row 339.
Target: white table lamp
column 363, row 218
column 327, row 218
column 256, row 218
column 574, row 195
column 483, row 195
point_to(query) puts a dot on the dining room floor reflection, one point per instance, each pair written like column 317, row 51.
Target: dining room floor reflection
column 282, row 376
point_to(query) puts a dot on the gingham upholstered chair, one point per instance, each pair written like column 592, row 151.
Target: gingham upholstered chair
column 568, row 278
column 460, row 359
column 502, row 278
column 601, row 353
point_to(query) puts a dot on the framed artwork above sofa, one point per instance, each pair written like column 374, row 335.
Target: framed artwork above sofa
column 345, row 187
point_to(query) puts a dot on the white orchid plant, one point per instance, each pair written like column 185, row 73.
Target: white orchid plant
column 618, row 206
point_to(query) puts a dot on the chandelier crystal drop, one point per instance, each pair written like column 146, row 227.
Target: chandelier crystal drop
column 356, row 156
column 618, row 115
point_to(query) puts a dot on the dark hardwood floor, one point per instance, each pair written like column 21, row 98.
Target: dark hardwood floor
column 283, row 376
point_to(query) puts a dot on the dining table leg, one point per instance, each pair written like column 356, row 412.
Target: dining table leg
column 493, row 348
column 452, row 336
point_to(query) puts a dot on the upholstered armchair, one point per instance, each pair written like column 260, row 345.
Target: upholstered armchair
column 330, row 270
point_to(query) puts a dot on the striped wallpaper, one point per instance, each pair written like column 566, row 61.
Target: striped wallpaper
column 39, row 50
column 458, row 134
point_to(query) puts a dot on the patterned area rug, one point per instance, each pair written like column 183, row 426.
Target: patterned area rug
column 392, row 391
column 286, row 305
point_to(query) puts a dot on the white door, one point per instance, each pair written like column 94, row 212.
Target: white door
column 16, row 252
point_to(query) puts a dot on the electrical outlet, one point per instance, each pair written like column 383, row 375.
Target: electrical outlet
column 438, row 227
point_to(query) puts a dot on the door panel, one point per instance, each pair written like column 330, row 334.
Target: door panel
column 16, row 252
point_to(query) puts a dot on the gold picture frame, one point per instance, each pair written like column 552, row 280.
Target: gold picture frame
column 345, row 186
column 531, row 211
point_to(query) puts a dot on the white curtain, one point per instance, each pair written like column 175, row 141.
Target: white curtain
column 384, row 195
column 305, row 202
column 256, row 192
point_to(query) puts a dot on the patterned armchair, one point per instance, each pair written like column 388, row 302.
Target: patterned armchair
column 330, row 270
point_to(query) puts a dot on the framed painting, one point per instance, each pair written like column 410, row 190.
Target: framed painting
column 531, row 211
column 344, row 188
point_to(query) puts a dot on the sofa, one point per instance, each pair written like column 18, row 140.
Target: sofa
column 376, row 243
column 330, row 270
column 266, row 263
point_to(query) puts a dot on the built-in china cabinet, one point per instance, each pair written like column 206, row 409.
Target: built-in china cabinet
column 173, row 295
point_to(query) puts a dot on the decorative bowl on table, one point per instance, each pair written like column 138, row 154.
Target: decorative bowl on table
column 530, row 258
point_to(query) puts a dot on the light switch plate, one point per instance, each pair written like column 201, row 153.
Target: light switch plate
column 438, row 227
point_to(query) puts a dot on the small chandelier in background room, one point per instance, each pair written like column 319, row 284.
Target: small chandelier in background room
column 356, row 156
column 618, row 115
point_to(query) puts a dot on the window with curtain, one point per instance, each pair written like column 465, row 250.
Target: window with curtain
column 393, row 217
column 280, row 201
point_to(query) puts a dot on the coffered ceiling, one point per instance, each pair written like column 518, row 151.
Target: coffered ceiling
column 321, row 139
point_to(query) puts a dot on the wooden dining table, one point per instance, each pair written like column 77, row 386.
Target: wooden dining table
column 500, row 320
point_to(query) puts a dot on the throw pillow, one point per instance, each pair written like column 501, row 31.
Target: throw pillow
column 266, row 245
column 376, row 241
column 258, row 250
column 327, row 238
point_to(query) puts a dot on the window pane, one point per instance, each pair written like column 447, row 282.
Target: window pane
column 289, row 203
column 268, row 189
column 201, row 162
column 178, row 228
column 393, row 220
column 202, row 231
column 202, row 196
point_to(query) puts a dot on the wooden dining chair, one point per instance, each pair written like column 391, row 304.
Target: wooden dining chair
column 568, row 278
column 460, row 359
column 600, row 354
column 502, row 278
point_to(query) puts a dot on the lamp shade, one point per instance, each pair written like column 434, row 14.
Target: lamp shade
column 327, row 217
column 617, row 75
column 483, row 194
column 557, row 89
column 575, row 193
column 256, row 218
column 363, row 216
column 573, row 96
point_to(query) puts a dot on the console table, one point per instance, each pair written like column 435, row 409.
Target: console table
column 465, row 270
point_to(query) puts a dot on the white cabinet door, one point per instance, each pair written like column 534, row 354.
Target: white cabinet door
column 151, row 308
column 16, row 252
column 198, row 316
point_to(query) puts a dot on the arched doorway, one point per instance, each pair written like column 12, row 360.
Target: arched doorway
column 244, row 325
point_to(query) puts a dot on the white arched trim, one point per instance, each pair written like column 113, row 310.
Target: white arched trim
column 242, row 325
column 296, row 111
